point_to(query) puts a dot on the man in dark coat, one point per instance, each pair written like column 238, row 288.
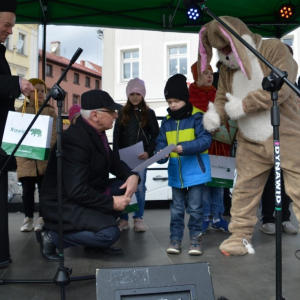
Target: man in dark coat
column 10, row 88
column 91, row 201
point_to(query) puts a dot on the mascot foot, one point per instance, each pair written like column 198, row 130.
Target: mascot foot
column 236, row 245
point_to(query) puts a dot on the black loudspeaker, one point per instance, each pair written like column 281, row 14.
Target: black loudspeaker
column 171, row 282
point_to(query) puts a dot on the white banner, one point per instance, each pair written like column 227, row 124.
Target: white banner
column 222, row 171
column 36, row 144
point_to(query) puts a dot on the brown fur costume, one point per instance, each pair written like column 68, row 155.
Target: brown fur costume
column 240, row 97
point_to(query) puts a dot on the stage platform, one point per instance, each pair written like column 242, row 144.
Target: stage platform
column 249, row 277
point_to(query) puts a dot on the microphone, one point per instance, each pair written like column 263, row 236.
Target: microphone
column 227, row 58
column 76, row 55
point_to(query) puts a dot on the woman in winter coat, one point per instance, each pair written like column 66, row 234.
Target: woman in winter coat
column 136, row 122
column 30, row 171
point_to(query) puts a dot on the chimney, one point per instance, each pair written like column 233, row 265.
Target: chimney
column 82, row 62
column 55, row 48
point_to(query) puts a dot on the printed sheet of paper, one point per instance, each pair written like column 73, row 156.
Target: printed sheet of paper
column 133, row 199
column 155, row 158
column 130, row 155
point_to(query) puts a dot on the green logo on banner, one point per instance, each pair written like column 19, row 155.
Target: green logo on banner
column 36, row 131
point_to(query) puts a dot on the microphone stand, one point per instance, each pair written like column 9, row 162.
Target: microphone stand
column 62, row 276
column 272, row 84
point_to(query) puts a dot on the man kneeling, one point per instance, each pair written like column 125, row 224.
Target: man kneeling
column 91, row 201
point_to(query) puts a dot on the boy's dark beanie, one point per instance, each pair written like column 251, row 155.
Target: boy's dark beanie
column 176, row 87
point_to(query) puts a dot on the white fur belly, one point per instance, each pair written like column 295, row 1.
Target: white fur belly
column 255, row 126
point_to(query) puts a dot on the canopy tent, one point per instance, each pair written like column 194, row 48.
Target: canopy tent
column 261, row 16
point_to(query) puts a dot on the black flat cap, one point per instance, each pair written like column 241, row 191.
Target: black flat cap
column 8, row 6
column 96, row 99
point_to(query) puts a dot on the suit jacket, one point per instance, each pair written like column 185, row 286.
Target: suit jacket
column 9, row 90
column 85, row 175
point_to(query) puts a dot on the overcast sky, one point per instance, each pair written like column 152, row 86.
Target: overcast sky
column 73, row 37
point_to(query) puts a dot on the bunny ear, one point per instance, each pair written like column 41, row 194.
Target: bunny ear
column 235, row 52
column 213, row 35
column 204, row 53
column 238, row 49
column 205, row 50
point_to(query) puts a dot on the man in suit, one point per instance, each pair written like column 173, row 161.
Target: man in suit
column 10, row 88
column 91, row 201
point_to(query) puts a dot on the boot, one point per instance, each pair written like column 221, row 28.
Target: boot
column 39, row 224
column 27, row 225
column 139, row 225
column 195, row 245
column 48, row 250
column 5, row 263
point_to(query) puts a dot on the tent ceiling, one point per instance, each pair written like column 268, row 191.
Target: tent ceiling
column 162, row 15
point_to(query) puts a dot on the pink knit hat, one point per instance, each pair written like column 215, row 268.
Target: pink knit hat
column 73, row 111
column 136, row 85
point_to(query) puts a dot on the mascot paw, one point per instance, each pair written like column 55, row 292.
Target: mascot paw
column 234, row 107
column 211, row 119
column 236, row 245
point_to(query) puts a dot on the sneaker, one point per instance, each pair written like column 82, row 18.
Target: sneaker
column 221, row 225
column 205, row 226
column 268, row 228
column 289, row 228
column 195, row 246
column 39, row 224
column 27, row 225
column 175, row 247
column 138, row 225
column 123, row 225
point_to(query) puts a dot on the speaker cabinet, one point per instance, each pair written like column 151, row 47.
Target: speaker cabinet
column 171, row 282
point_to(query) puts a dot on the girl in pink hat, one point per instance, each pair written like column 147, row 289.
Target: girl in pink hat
column 136, row 122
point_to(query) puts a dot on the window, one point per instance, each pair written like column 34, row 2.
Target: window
column 76, row 78
column 49, row 70
column 177, row 60
column 22, row 37
column 21, row 96
column 87, row 81
column 65, row 77
column 76, row 99
column 97, row 84
column 130, row 64
column 289, row 41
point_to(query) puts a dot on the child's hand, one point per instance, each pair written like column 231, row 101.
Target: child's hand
column 144, row 155
column 167, row 156
column 178, row 149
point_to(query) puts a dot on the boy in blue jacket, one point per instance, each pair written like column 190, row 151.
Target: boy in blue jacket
column 189, row 165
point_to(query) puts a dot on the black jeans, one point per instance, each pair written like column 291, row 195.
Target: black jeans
column 101, row 239
column 268, row 201
column 28, row 185
column 4, row 248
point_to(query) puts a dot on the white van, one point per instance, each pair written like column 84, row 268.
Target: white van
column 157, row 175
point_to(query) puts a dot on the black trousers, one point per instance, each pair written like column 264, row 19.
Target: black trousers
column 268, row 201
column 101, row 239
column 28, row 184
column 4, row 244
